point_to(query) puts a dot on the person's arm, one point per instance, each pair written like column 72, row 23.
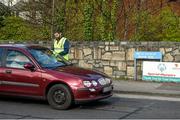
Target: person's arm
column 66, row 48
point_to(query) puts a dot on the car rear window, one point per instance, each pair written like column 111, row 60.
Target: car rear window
column 1, row 50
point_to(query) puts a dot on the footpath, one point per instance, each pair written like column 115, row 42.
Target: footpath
column 147, row 88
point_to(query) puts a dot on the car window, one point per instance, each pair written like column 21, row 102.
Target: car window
column 16, row 59
column 46, row 58
column 1, row 50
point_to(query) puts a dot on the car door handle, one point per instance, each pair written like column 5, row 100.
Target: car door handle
column 8, row 71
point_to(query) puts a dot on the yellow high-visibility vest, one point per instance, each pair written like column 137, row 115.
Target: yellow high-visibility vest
column 59, row 47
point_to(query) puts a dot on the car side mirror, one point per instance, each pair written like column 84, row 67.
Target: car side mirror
column 29, row 66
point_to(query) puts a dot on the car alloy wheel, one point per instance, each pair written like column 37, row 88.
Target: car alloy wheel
column 59, row 97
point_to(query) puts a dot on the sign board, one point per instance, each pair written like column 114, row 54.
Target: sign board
column 161, row 71
column 148, row 55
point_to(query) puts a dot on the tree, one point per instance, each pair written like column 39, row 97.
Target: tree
column 101, row 19
column 113, row 19
column 168, row 27
column 16, row 28
column 88, row 14
column 162, row 27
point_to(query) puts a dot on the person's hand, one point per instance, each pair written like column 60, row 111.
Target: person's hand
column 55, row 54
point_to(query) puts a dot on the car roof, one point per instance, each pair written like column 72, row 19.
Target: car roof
column 24, row 46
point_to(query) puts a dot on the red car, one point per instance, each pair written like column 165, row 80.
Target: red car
column 31, row 70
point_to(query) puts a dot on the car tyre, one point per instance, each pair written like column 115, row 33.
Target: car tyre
column 59, row 97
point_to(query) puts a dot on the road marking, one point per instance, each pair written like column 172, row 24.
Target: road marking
column 148, row 97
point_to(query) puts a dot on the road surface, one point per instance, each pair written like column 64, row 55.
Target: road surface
column 117, row 107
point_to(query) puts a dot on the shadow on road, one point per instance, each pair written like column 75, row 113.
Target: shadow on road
column 24, row 100
column 98, row 104
column 90, row 105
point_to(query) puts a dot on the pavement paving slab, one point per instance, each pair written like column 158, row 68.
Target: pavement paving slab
column 143, row 87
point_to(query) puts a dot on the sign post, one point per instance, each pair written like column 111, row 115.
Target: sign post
column 143, row 55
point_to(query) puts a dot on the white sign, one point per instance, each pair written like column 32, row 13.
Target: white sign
column 161, row 71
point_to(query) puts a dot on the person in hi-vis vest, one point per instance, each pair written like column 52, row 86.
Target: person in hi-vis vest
column 61, row 45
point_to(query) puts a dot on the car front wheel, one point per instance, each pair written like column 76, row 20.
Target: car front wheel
column 59, row 97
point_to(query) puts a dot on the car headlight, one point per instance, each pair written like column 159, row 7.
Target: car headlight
column 87, row 83
column 102, row 81
column 108, row 81
column 94, row 83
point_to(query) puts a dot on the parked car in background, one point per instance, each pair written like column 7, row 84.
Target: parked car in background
column 31, row 70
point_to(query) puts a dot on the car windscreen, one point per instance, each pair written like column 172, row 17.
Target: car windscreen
column 46, row 58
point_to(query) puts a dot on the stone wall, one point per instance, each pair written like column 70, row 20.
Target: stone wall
column 116, row 58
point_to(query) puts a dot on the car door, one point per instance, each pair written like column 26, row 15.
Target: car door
column 1, row 66
column 15, row 78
